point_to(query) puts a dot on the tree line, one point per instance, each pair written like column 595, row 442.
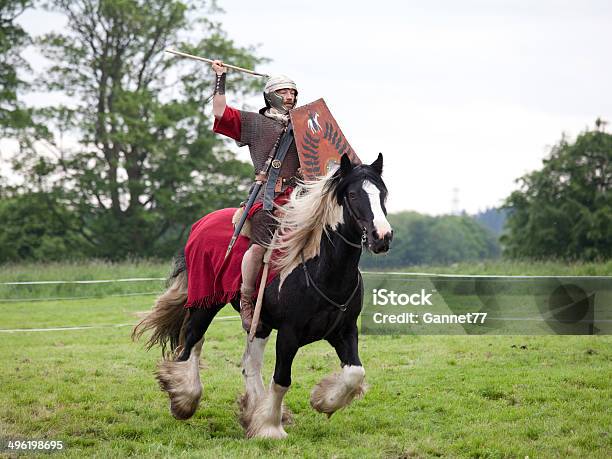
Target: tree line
column 425, row 240
column 144, row 164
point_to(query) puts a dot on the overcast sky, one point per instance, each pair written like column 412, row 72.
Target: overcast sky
column 456, row 94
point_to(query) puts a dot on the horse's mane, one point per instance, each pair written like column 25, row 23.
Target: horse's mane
column 314, row 208
column 311, row 210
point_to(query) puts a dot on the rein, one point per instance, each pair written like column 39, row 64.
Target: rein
column 364, row 238
column 341, row 307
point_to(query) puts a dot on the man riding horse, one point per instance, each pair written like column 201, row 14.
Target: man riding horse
column 262, row 132
column 316, row 292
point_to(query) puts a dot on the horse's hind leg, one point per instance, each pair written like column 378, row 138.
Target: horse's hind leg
column 180, row 378
column 338, row 390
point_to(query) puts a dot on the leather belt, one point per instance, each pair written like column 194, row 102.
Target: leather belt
column 284, row 182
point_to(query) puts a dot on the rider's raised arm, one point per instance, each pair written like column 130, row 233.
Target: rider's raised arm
column 219, row 102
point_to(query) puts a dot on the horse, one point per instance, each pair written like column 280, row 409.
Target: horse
column 316, row 295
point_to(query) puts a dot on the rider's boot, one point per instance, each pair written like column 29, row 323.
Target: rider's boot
column 247, row 308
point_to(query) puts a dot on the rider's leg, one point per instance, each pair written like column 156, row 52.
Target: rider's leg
column 251, row 265
column 263, row 225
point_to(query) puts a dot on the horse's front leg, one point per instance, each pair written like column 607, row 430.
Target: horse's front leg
column 252, row 362
column 339, row 389
column 266, row 421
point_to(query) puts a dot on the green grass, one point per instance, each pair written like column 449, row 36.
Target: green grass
column 451, row 396
column 81, row 271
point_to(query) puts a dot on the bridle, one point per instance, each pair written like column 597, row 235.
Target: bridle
column 364, row 239
column 364, row 231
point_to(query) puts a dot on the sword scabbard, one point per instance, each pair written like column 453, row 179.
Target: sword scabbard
column 247, row 208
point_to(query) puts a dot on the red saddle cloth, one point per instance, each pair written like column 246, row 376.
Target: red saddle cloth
column 212, row 278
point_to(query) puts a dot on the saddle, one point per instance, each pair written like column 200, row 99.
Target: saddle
column 212, row 278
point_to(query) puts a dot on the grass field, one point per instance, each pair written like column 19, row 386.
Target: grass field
column 430, row 396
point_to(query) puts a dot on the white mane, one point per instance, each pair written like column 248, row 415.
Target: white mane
column 311, row 209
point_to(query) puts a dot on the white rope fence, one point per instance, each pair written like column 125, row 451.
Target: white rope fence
column 479, row 276
column 370, row 273
column 79, row 282
column 83, row 327
column 103, row 281
column 88, row 327
column 65, row 298
column 149, row 279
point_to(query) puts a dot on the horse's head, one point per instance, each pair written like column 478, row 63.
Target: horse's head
column 362, row 193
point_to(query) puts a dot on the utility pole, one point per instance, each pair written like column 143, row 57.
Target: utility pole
column 455, row 202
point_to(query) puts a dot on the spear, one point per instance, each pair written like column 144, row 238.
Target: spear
column 260, row 293
column 210, row 61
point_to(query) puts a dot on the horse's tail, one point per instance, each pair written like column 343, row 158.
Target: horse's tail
column 168, row 315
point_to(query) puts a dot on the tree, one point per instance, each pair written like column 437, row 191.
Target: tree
column 425, row 240
column 33, row 229
column 146, row 165
column 492, row 218
column 12, row 41
column 564, row 210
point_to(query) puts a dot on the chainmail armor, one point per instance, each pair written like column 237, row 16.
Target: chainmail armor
column 260, row 133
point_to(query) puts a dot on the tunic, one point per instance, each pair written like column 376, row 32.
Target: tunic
column 260, row 133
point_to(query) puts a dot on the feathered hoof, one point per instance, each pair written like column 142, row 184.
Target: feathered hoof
column 182, row 409
column 338, row 390
column 273, row 432
column 264, row 416
column 286, row 416
column 246, row 409
column 181, row 380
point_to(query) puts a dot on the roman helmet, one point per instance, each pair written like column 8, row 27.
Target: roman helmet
column 275, row 83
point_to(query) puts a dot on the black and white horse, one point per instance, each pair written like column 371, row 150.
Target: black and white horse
column 317, row 295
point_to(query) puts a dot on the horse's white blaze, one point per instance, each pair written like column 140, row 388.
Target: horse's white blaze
column 380, row 221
